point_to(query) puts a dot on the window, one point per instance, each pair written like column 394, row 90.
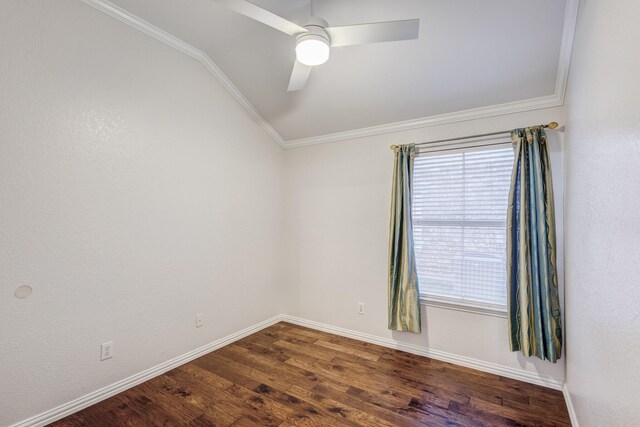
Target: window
column 459, row 225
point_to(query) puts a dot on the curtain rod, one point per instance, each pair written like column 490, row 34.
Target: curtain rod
column 551, row 125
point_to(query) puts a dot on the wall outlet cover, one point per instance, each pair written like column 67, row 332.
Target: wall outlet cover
column 106, row 350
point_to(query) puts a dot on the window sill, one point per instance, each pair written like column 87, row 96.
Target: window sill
column 476, row 308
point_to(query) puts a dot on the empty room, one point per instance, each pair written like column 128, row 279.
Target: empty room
column 319, row 213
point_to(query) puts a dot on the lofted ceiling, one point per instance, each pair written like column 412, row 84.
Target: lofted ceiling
column 469, row 55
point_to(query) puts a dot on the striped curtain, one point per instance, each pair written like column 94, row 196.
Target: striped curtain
column 533, row 304
column 404, row 296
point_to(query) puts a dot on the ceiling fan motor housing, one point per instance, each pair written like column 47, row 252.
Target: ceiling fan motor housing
column 316, row 27
column 313, row 46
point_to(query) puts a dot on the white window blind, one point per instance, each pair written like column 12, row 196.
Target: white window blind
column 459, row 224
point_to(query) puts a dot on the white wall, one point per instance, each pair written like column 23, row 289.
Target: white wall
column 119, row 161
column 602, row 208
column 134, row 193
column 338, row 220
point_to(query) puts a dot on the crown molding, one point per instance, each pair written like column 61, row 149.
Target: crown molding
column 441, row 119
column 568, row 32
column 184, row 47
column 555, row 100
column 244, row 102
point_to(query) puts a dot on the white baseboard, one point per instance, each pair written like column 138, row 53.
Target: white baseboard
column 94, row 397
column 570, row 408
column 493, row 368
column 122, row 385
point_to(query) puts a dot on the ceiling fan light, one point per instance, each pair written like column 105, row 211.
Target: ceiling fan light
column 312, row 50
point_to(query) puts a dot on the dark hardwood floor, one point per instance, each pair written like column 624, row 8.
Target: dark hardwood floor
column 289, row 375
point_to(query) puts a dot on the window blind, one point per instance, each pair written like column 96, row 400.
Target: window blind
column 459, row 224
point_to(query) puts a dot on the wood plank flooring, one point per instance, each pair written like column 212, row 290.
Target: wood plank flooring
column 287, row 375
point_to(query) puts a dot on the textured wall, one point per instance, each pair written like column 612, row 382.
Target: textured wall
column 134, row 194
column 338, row 226
column 602, row 206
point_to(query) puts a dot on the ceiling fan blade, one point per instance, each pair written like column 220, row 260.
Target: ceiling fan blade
column 375, row 32
column 299, row 76
column 252, row 11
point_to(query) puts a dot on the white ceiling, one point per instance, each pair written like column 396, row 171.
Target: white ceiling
column 470, row 54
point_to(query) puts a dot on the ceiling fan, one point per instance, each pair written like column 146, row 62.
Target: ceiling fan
column 314, row 38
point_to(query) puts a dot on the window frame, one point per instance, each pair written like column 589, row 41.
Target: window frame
column 443, row 302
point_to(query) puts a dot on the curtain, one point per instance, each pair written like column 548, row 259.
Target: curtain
column 404, row 296
column 533, row 303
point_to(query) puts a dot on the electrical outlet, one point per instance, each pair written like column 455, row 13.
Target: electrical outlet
column 199, row 320
column 106, row 350
column 360, row 308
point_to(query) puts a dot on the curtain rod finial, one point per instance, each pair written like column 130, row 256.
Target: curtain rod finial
column 552, row 125
column 393, row 147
